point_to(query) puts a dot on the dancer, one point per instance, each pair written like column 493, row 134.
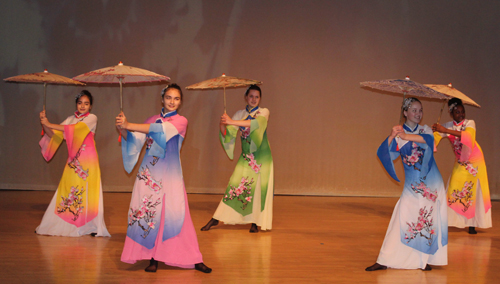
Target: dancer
column 417, row 235
column 468, row 191
column 159, row 222
column 249, row 194
column 77, row 206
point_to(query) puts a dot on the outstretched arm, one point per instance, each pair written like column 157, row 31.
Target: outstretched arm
column 122, row 125
column 439, row 128
column 226, row 120
column 399, row 131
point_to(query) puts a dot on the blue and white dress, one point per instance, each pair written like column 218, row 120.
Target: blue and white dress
column 418, row 232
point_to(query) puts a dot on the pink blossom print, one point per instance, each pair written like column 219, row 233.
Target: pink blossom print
column 75, row 165
column 144, row 215
column 149, row 142
column 72, row 203
column 252, row 162
column 426, row 192
column 145, row 175
column 245, row 132
column 463, row 196
column 423, row 228
column 469, row 167
column 416, row 153
column 241, row 193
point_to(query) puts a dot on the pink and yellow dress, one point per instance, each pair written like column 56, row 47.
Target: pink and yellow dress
column 159, row 222
column 469, row 201
column 77, row 206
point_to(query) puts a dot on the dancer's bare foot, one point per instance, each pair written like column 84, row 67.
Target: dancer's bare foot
column 376, row 266
column 472, row 230
column 254, row 228
column 427, row 268
column 202, row 267
column 153, row 265
column 212, row 222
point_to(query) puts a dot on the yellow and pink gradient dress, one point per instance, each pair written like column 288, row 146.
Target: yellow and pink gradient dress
column 77, row 206
column 159, row 222
column 469, row 201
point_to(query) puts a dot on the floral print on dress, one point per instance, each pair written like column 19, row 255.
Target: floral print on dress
column 144, row 215
column 469, row 167
column 464, row 196
column 415, row 158
column 457, row 142
column 241, row 193
column 149, row 142
column 252, row 162
column 423, row 228
column 426, row 192
column 75, row 165
column 72, row 203
column 145, row 175
column 245, row 132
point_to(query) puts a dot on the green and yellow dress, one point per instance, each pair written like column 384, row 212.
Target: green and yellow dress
column 249, row 194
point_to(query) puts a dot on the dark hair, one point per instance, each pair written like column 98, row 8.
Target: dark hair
column 453, row 103
column 253, row 87
column 84, row 93
column 171, row 86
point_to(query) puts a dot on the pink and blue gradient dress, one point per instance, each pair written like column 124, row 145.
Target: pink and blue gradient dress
column 77, row 206
column 159, row 222
column 418, row 231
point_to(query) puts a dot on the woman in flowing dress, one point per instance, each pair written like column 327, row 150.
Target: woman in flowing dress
column 249, row 195
column 417, row 235
column 159, row 221
column 77, row 206
column 469, row 203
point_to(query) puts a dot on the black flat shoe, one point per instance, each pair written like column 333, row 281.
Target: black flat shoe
column 212, row 222
column 254, row 228
column 376, row 266
column 202, row 267
column 153, row 266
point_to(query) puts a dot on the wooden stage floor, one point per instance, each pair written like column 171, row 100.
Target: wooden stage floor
column 314, row 240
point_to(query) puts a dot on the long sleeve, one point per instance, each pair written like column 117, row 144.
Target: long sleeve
column 50, row 145
column 468, row 140
column 388, row 153
column 131, row 149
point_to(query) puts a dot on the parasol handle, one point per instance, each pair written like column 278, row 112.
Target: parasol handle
column 401, row 112
column 44, row 94
column 121, row 94
column 224, row 99
column 44, row 100
column 121, row 105
column 441, row 113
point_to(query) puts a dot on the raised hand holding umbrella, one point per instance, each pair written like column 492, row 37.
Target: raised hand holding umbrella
column 43, row 78
column 223, row 82
column 120, row 74
column 451, row 92
column 405, row 87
